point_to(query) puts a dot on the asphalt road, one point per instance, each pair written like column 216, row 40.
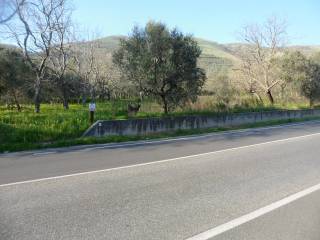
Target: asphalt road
column 296, row 221
column 176, row 189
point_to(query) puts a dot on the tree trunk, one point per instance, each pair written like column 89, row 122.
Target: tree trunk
column 311, row 103
column 270, row 97
column 65, row 103
column 37, row 99
column 165, row 104
column 258, row 97
column 283, row 86
column 165, row 109
column 16, row 101
column 37, row 102
column 84, row 100
column 65, row 98
column 108, row 96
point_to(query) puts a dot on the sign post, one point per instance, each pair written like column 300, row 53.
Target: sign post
column 92, row 109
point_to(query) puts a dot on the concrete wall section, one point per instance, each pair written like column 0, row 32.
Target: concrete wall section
column 167, row 124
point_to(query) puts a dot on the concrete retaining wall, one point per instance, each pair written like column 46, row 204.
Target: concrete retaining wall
column 167, row 124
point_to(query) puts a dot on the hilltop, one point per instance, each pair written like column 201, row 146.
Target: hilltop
column 217, row 59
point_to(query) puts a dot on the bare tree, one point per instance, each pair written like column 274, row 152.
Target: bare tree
column 84, row 61
column 8, row 9
column 258, row 65
column 37, row 32
column 61, row 55
column 99, row 76
column 105, row 80
column 90, row 65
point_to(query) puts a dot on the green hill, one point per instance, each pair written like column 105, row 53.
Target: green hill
column 209, row 48
column 217, row 59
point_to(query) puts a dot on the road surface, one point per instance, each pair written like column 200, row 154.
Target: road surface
column 253, row 184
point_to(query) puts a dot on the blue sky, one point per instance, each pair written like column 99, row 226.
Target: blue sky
column 217, row 20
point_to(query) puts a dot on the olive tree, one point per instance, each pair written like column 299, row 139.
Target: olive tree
column 310, row 86
column 162, row 63
column 15, row 75
column 304, row 71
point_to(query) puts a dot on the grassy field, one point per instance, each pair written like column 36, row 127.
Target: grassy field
column 21, row 130
column 55, row 126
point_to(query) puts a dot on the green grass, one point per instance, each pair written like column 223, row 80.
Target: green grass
column 52, row 124
column 56, row 127
column 118, row 139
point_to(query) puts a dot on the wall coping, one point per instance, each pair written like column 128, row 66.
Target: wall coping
column 212, row 116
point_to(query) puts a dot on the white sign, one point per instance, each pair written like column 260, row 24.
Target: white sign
column 92, row 107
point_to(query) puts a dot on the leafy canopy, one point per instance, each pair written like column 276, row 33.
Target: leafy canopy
column 162, row 63
column 297, row 68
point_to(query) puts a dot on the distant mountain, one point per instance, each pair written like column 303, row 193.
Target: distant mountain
column 2, row 45
column 217, row 59
column 110, row 43
column 209, row 48
column 308, row 50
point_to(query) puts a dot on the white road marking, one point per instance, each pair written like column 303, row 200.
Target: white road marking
column 44, row 153
column 247, row 131
column 158, row 162
column 253, row 215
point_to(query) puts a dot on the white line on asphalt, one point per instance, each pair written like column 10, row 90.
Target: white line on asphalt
column 44, row 153
column 253, row 215
column 158, row 162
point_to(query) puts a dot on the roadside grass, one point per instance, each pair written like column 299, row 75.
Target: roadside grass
column 56, row 127
column 69, row 140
